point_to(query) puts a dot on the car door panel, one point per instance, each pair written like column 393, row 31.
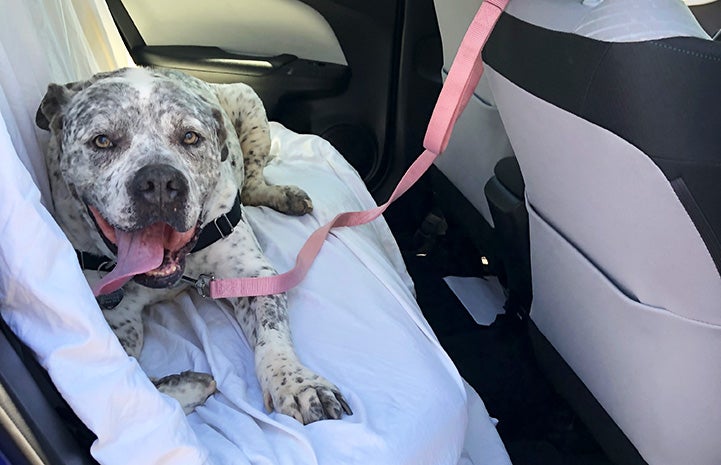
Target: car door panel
column 272, row 77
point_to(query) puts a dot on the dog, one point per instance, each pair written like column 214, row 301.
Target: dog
column 141, row 163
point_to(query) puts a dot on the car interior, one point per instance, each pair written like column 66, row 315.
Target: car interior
column 576, row 202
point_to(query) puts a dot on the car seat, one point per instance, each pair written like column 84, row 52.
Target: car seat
column 612, row 109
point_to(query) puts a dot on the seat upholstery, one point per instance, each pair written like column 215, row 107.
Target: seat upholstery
column 611, row 111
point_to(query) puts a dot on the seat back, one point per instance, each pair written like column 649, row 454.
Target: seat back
column 612, row 113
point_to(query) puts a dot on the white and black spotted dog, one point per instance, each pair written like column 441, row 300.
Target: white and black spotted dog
column 143, row 165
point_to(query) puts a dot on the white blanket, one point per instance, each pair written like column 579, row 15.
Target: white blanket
column 354, row 320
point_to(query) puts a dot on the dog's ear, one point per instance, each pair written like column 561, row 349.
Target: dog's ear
column 222, row 134
column 51, row 106
column 50, row 110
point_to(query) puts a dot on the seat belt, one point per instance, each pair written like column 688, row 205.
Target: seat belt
column 463, row 77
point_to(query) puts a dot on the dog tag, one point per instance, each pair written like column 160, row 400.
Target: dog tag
column 110, row 301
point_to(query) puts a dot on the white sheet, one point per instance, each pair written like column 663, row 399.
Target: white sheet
column 354, row 320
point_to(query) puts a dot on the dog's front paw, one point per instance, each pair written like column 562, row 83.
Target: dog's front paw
column 189, row 388
column 296, row 201
column 305, row 396
column 291, row 200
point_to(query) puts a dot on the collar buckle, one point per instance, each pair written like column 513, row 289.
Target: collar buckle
column 225, row 228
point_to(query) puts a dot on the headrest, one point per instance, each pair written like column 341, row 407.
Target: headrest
column 611, row 20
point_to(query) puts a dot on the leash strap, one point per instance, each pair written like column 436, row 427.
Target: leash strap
column 462, row 79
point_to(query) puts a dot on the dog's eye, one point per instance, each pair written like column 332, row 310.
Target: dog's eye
column 191, row 138
column 103, row 142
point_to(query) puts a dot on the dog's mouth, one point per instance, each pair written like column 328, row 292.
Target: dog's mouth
column 153, row 256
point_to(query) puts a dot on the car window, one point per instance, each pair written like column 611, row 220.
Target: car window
column 262, row 27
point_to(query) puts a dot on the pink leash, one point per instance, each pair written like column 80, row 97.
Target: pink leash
column 462, row 79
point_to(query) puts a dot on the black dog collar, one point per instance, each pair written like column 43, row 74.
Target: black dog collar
column 219, row 228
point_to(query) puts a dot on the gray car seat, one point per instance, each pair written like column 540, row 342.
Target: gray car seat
column 613, row 111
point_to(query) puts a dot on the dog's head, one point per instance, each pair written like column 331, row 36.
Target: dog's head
column 141, row 149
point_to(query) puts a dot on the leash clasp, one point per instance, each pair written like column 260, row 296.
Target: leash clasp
column 202, row 284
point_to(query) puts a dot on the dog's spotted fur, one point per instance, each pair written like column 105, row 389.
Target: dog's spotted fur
column 145, row 113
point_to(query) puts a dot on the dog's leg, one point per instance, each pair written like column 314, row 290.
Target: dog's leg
column 288, row 386
column 189, row 388
column 126, row 322
column 247, row 114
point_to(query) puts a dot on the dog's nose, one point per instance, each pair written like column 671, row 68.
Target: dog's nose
column 160, row 185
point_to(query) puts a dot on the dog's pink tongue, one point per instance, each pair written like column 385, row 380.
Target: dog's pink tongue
column 138, row 253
